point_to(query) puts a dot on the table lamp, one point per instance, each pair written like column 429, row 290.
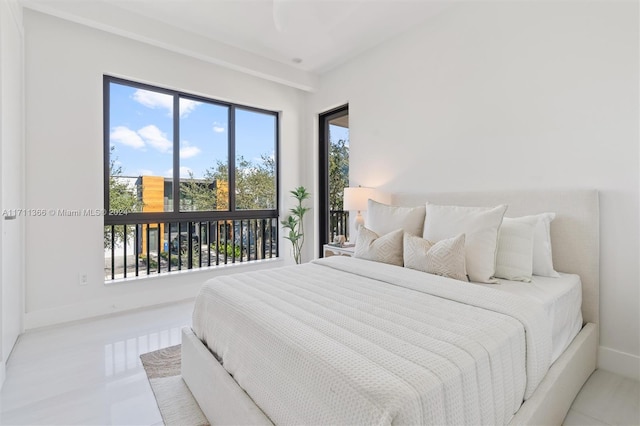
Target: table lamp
column 356, row 198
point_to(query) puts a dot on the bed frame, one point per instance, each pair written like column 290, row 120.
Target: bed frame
column 576, row 249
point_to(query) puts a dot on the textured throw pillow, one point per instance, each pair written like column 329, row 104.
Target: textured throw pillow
column 514, row 260
column 384, row 249
column 383, row 218
column 446, row 257
column 480, row 226
column 542, row 255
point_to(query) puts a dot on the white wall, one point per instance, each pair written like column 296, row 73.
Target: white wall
column 65, row 63
column 500, row 95
column 11, row 178
column 112, row 18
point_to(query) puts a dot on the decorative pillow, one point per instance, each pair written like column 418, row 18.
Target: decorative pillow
column 384, row 249
column 446, row 257
column 383, row 218
column 542, row 255
column 514, row 260
column 480, row 226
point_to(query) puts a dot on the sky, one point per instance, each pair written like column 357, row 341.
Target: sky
column 337, row 133
column 141, row 130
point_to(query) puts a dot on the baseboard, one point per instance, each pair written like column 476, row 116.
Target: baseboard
column 622, row 363
column 108, row 306
column 128, row 296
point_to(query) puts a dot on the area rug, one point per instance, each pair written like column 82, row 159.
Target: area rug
column 175, row 401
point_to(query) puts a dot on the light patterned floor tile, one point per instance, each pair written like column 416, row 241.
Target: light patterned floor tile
column 610, row 398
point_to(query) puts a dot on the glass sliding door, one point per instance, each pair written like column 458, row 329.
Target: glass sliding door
column 334, row 174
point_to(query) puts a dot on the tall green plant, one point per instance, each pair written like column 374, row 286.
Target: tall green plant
column 295, row 222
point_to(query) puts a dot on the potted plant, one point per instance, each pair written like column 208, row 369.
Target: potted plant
column 295, row 223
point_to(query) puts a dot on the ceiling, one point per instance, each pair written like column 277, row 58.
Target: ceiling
column 311, row 36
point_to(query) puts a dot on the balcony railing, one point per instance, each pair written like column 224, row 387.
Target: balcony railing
column 338, row 223
column 151, row 248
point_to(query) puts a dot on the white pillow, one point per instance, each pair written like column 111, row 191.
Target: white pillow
column 384, row 249
column 542, row 255
column 480, row 226
column 514, row 260
column 383, row 218
column 446, row 257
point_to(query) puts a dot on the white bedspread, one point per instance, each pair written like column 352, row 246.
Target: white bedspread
column 561, row 299
column 348, row 341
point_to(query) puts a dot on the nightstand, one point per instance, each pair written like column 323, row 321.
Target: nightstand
column 330, row 250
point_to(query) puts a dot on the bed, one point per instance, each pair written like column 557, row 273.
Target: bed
column 370, row 369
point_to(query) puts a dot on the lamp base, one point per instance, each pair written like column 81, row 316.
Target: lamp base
column 359, row 221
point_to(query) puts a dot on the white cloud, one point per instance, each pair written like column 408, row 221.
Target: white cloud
column 186, row 106
column 156, row 138
column 148, row 135
column 160, row 100
column 217, row 127
column 188, row 151
column 184, row 172
column 127, row 137
column 145, row 172
column 153, row 99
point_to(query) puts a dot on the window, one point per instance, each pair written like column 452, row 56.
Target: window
column 183, row 175
column 333, row 159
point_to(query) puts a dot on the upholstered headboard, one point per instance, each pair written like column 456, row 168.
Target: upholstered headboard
column 575, row 232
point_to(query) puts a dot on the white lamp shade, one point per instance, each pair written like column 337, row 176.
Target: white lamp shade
column 356, row 198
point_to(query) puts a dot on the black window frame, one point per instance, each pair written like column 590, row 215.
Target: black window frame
column 323, row 172
column 176, row 215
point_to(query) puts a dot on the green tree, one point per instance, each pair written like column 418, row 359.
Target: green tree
column 121, row 198
column 202, row 194
column 338, row 173
column 256, row 184
column 255, row 187
column 255, row 190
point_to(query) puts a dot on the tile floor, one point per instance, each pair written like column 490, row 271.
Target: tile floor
column 89, row 373
column 606, row 399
